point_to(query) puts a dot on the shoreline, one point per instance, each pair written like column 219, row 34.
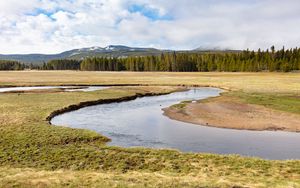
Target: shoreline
column 118, row 85
column 104, row 101
column 181, row 114
column 171, row 112
column 230, row 113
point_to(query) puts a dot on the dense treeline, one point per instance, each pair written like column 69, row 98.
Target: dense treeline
column 62, row 64
column 245, row 61
column 11, row 65
column 102, row 64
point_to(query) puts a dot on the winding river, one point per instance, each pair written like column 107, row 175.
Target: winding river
column 141, row 123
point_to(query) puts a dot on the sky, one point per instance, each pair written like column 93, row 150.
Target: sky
column 52, row 26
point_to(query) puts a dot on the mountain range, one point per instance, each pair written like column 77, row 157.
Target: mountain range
column 109, row 51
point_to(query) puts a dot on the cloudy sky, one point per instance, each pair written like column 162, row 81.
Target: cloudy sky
column 50, row 26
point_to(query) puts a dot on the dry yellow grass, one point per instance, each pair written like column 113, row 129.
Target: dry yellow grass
column 248, row 82
column 26, row 177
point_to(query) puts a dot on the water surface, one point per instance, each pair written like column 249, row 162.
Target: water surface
column 66, row 88
column 141, row 123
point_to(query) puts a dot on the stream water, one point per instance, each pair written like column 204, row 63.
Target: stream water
column 65, row 88
column 141, row 123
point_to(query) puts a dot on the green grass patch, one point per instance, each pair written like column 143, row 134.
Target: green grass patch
column 181, row 105
column 282, row 102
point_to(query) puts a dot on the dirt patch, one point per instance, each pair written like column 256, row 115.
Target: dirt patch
column 230, row 112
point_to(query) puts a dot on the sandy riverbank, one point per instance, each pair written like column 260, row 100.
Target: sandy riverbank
column 230, row 112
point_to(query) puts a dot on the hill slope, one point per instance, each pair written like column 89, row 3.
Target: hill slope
column 109, row 51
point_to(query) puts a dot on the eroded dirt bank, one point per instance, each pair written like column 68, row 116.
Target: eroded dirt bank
column 230, row 112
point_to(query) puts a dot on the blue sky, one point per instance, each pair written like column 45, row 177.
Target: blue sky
column 150, row 13
column 51, row 26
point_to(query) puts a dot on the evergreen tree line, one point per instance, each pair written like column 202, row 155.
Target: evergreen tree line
column 62, row 64
column 244, row 61
column 11, row 65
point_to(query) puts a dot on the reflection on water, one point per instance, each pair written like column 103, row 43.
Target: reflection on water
column 140, row 123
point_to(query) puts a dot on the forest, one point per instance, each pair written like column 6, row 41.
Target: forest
column 246, row 61
column 283, row 60
column 62, row 64
column 11, row 65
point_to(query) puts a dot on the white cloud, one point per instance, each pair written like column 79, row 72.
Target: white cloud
column 50, row 26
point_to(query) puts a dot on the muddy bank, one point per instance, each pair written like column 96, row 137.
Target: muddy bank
column 230, row 112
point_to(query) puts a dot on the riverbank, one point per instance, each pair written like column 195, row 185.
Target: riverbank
column 229, row 111
column 34, row 153
column 74, row 107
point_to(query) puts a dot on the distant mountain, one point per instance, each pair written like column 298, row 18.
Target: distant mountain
column 109, row 51
column 213, row 49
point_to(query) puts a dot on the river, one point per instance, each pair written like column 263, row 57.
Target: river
column 141, row 123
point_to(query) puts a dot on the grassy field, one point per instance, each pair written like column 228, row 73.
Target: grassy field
column 248, row 82
column 34, row 153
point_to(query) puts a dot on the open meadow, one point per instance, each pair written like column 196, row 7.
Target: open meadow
column 249, row 82
column 148, row 93
column 35, row 153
